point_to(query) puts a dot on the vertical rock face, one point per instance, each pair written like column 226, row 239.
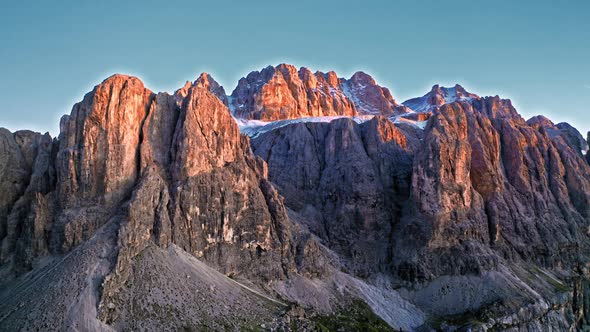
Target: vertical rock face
column 552, row 169
column 14, row 174
column 205, row 137
column 98, row 158
column 222, row 207
column 447, row 143
column 202, row 190
column 26, row 204
column 99, row 143
column 158, row 131
column 488, row 181
column 173, row 169
column 347, row 181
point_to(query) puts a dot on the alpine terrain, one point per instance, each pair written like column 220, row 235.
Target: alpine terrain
column 301, row 201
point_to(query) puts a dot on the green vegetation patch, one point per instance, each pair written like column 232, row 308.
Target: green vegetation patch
column 357, row 316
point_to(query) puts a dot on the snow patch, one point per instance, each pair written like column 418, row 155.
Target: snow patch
column 353, row 93
column 254, row 128
column 418, row 124
column 449, row 95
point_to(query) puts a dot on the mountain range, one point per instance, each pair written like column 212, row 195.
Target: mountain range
column 302, row 201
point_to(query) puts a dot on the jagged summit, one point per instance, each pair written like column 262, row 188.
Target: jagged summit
column 283, row 92
column 562, row 129
column 204, row 81
column 538, row 121
column 369, row 97
column 438, row 96
column 119, row 77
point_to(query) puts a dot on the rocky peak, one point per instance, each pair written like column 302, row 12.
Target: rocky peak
column 563, row 129
column 539, row 121
column 99, row 142
column 204, row 81
column 360, row 77
column 369, row 97
column 497, row 108
column 197, row 149
column 331, row 78
column 182, row 92
column 439, row 96
column 573, row 137
column 283, row 92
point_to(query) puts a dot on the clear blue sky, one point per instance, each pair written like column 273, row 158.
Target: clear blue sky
column 535, row 52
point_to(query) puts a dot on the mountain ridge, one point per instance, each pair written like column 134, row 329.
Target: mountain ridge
column 469, row 210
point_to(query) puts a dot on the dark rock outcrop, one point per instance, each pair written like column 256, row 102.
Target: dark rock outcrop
column 26, row 202
column 347, row 181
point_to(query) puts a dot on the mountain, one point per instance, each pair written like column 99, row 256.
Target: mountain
column 370, row 98
column 569, row 133
column 283, row 92
column 341, row 210
column 473, row 208
column 437, row 97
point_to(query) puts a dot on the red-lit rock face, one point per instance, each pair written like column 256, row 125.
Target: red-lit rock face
column 190, row 175
column 283, row 92
column 99, row 142
column 485, row 176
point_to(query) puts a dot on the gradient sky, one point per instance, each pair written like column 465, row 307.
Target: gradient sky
column 536, row 53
